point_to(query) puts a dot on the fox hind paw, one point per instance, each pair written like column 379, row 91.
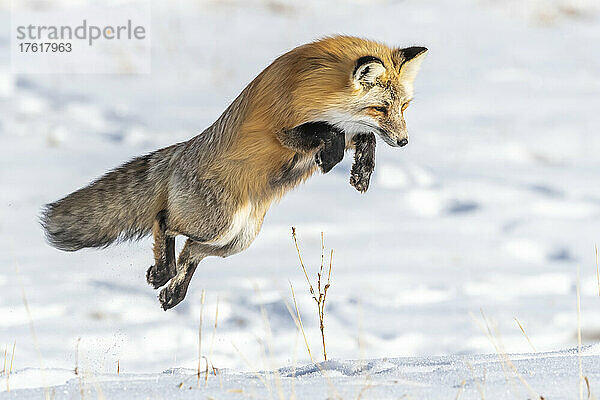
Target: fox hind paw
column 157, row 276
column 167, row 299
column 171, row 295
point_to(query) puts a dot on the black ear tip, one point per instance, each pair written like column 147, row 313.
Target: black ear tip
column 412, row 52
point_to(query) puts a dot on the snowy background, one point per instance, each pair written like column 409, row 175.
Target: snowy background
column 490, row 209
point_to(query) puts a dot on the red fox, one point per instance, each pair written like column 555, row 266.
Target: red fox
column 298, row 115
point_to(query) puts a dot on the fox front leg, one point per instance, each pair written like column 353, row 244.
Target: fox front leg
column 332, row 152
column 164, row 253
column 364, row 161
column 328, row 140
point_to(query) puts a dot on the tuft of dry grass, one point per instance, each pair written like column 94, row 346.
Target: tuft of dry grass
column 508, row 367
column 321, row 287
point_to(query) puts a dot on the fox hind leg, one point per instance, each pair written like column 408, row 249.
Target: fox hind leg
column 164, row 254
column 191, row 254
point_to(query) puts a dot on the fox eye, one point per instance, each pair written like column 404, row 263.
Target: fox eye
column 380, row 109
column 405, row 106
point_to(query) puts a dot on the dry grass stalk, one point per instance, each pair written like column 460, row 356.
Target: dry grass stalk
column 212, row 342
column 506, row 362
column 252, row 369
column 366, row 387
column 578, row 284
column 323, row 372
column 587, row 385
column 525, row 334
column 480, row 385
column 10, row 368
column 267, row 350
column 322, row 289
column 460, row 389
column 298, row 320
column 597, row 269
column 118, row 367
column 77, row 371
column 203, row 295
column 5, row 353
column 590, row 395
column 12, row 357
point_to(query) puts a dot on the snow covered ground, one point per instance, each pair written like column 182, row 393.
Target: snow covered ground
column 464, row 377
column 491, row 208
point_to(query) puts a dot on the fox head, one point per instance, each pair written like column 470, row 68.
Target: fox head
column 356, row 84
column 381, row 94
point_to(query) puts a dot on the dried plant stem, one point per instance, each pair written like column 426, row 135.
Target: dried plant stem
column 578, row 284
column 5, row 353
column 212, row 342
column 322, row 289
column 10, row 368
column 312, row 291
column 597, row 269
column 77, row 371
column 252, row 368
column 460, row 389
column 12, row 357
column 507, row 365
column 480, row 383
column 203, row 295
column 526, row 337
column 298, row 320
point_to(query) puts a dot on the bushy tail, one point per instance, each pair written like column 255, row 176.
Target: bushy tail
column 121, row 205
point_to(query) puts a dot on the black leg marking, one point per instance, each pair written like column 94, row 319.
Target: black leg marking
column 189, row 258
column 309, row 136
column 332, row 151
column 164, row 254
column 174, row 294
column 364, row 161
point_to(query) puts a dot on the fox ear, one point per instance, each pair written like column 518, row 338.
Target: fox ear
column 367, row 70
column 412, row 59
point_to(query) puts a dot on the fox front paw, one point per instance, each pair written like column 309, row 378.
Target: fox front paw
column 331, row 154
column 360, row 181
column 364, row 162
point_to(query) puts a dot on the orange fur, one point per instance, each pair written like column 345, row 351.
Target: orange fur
column 294, row 89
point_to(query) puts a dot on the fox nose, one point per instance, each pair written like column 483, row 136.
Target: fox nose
column 402, row 142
